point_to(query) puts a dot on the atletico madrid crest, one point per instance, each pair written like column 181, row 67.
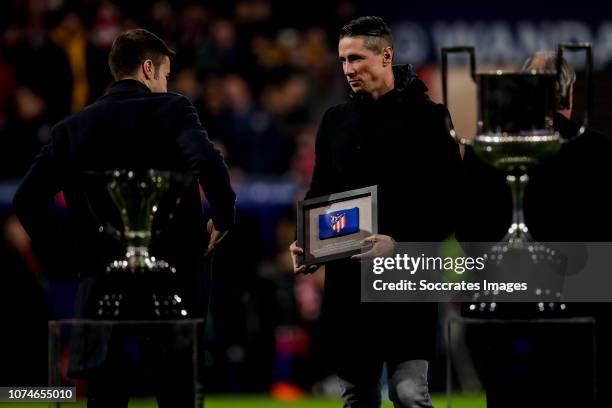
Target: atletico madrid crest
column 338, row 223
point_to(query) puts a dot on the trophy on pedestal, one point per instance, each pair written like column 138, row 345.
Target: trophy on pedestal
column 515, row 131
column 139, row 286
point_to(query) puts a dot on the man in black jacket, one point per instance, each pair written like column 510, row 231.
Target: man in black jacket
column 392, row 135
column 566, row 200
column 136, row 125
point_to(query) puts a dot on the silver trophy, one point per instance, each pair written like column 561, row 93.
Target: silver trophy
column 137, row 197
column 515, row 131
column 139, row 286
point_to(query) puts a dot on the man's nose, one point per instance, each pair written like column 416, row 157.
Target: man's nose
column 348, row 69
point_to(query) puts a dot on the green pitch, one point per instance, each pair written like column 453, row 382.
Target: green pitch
column 439, row 401
column 261, row 401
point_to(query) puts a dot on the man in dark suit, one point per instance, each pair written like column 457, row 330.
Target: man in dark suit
column 388, row 134
column 136, row 125
column 566, row 200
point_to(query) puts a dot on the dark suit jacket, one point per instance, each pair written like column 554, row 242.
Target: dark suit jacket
column 128, row 128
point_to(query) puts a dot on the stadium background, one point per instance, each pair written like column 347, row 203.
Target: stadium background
column 260, row 73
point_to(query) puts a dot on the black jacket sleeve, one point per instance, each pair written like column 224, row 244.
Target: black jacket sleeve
column 321, row 183
column 441, row 177
column 449, row 174
column 34, row 199
column 205, row 160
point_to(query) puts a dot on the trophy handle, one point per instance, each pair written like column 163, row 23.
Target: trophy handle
column 588, row 50
column 445, row 52
column 91, row 177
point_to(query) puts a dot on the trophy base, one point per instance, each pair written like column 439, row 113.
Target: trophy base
column 132, row 290
column 505, row 259
column 506, row 310
column 138, row 265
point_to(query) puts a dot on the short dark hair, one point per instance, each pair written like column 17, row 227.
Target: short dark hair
column 377, row 32
column 131, row 48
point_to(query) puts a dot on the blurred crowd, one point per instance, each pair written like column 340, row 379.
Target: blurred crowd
column 260, row 74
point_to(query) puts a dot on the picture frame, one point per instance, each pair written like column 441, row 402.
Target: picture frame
column 332, row 227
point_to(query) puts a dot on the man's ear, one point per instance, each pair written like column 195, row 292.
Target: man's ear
column 148, row 69
column 387, row 53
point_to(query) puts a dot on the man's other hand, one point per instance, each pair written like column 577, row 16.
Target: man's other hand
column 382, row 245
column 305, row 269
column 215, row 236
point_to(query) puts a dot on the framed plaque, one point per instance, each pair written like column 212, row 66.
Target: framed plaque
column 332, row 227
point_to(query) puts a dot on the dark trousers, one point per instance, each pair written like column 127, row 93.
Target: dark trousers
column 171, row 389
column 360, row 337
column 144, row 361
column 360, row 383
